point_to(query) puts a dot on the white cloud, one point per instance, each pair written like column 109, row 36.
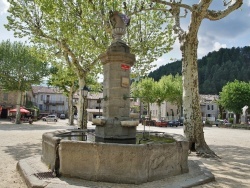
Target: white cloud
column 4, row 5
column 218, row 46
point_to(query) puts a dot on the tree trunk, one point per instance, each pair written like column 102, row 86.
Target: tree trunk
column 159, row 112
column 85, row 114
column 71, row 110
column 81, row 104
column 18, row 102
column 193, row 128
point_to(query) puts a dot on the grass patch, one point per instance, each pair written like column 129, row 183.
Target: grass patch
column 146, row 138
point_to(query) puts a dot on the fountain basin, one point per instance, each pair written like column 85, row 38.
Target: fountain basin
column 99, row 122
column 118, row 163
column 129, row 123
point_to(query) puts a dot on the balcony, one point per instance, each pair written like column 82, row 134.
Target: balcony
column 51, row 102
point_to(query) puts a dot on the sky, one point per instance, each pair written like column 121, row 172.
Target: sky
column 231, row 31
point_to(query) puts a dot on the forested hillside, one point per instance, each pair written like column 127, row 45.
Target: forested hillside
column 215, row 69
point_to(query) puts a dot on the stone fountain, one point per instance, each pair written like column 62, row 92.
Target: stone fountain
column 113, row 155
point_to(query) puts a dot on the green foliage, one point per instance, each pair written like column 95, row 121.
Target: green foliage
column 215, row 69
column 231, row 120
column 207, row 122
column 80, row 30
column 64, row 78
column 144, row 89
column 235, row 95
column 172, row 88
column 20, row 66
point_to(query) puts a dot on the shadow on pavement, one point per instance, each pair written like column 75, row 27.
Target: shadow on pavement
column 233, row 169
column 9, row 126
column 23, row 150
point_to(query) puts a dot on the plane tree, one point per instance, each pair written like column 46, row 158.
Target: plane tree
column 172, row 87
column 234, row 96
column 80, row 31
column 145, row 90
column 20, row 67
column 188, row 40
column 66, row 80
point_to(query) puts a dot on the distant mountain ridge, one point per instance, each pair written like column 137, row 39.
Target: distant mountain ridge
column 215, row 69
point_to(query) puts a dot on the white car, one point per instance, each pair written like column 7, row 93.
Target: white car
column 50, row 118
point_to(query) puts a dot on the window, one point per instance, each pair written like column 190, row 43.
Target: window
column 41, row 97
column 208, row 107
column 40, row 107
column 212, row 107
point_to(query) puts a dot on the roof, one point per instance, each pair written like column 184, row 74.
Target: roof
column 208, row 98
column 45, row 89
column 95, row 95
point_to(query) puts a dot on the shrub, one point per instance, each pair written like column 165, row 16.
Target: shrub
column 231, row 120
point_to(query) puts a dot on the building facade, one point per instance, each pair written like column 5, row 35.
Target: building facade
column 8, row 100
column 209, row 107
column 49, row 100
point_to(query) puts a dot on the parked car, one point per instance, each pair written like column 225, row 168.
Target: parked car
column 181, row 120
column 50, row 117
column 149, row 122
column 173, row 123
column 62, row 116
column 161, row 123
column 219, row 122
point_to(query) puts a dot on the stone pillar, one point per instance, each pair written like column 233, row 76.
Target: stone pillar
column 117, row 62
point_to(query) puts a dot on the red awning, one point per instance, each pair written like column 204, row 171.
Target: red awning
column 22, row 110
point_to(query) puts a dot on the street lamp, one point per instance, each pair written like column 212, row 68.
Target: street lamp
column 84, row 91
column 99, row 102
column 84, row 94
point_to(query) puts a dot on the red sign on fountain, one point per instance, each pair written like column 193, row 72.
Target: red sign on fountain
column 125, row 67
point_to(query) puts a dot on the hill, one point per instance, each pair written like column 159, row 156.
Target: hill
column 215, row 69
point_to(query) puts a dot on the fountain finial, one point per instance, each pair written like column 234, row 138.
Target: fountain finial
column 119, row 23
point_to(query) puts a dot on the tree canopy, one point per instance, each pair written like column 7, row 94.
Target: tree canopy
column 235, row 95
column 80, row 31
column 21, row 66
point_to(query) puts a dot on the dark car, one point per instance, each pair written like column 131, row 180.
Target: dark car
column 173, row 123
column 161, row 123
column 149, row 122
column 62, row 116
column 181, row 120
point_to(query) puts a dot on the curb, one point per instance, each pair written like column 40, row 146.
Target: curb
column 28, row 168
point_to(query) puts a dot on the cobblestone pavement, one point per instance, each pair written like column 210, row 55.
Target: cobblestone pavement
column 232, row 145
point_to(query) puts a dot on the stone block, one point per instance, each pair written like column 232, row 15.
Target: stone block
column 123, row 163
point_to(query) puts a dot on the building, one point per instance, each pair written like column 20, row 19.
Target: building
column 168, row 110
column 209, row 107
column 49, row 100
column 95, row 105
column 8, row 100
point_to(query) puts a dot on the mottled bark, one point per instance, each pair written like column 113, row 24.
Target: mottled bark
column 18, row 104
column 159, row 111
column 81, row 104
column 71, row 110
column 193, row 128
